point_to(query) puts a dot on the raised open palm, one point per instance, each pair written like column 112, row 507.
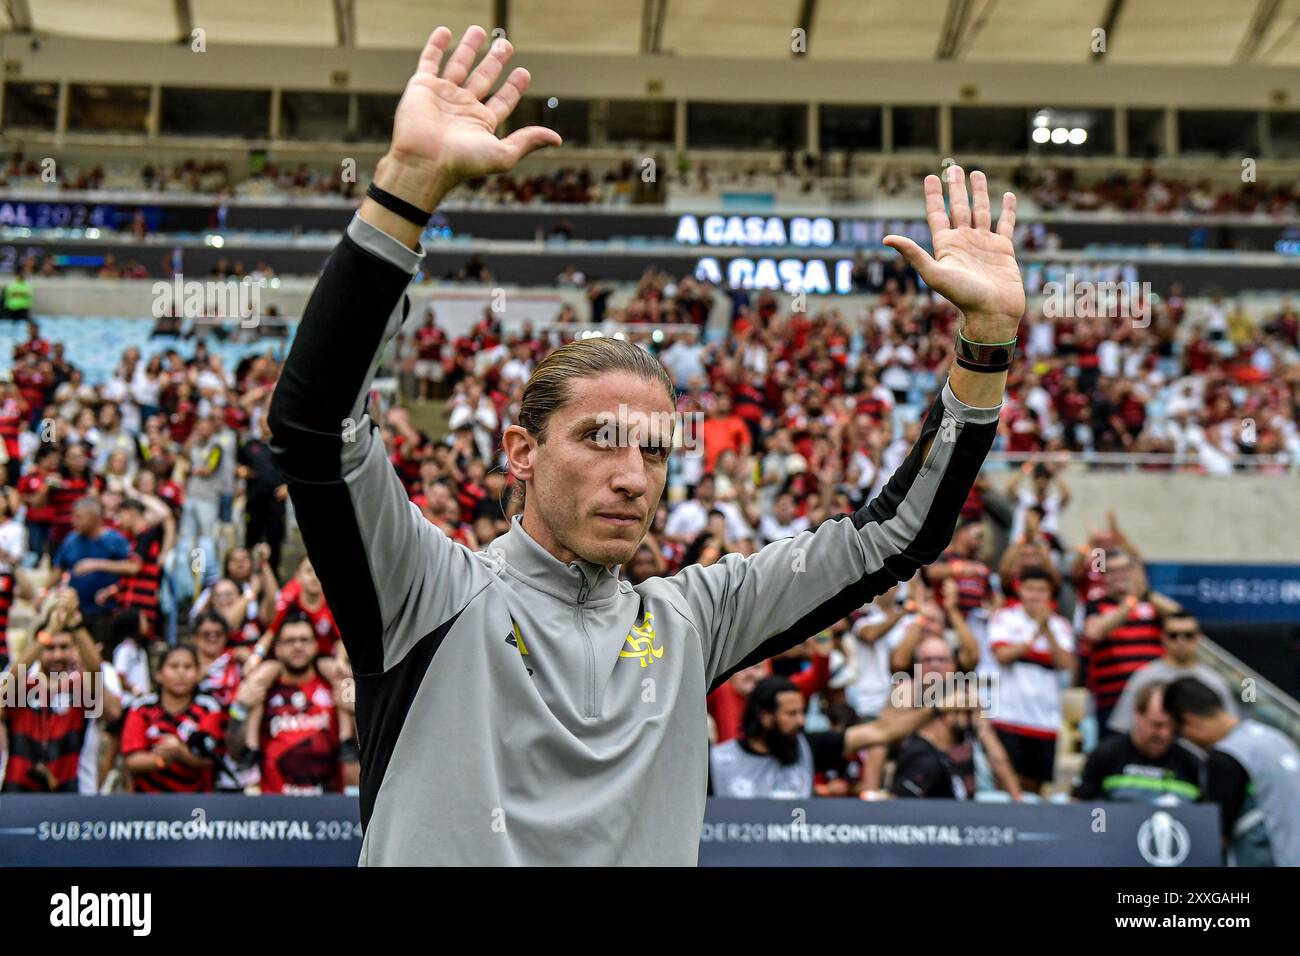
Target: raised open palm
column 443, row 121
column 973, row 266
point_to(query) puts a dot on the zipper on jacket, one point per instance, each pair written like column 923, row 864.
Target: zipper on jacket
column 589, row 676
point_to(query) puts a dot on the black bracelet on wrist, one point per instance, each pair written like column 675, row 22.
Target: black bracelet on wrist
column 412, row 214
column 984, row 356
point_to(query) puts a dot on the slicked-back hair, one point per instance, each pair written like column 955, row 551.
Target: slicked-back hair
column 549, row 388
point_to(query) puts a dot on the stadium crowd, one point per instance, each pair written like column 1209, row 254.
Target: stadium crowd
column 1054, row 187
column 147, row 542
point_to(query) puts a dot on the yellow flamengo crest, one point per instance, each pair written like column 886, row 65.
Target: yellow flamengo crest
column 641, row 642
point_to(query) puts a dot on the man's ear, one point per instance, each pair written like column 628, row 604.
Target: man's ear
column 520, row 448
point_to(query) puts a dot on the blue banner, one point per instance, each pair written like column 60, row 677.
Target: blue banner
column 234, row 830
column 1232, row 593
column 954, row 833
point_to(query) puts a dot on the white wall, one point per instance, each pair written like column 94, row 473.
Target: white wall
column 1189, row 517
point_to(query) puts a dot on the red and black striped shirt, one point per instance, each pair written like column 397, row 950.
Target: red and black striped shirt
column 148, row 721
column 142, row 589
column 48, row 731
column 71, row 490
column 973, row 587
column 6, row 604
column 1130, row 646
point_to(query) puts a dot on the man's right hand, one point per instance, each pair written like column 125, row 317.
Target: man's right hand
column 443, row 132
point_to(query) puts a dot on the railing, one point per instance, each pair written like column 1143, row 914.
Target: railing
column 1146, row 461
column 1272, row 705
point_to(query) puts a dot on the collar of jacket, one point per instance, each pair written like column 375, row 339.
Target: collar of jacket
column 532, row 564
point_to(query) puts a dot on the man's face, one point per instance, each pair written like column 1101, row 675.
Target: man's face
column 85, row 520
column 934, row 656
column 59, row 655
column 308, row 581
column 295, row 647
column 784, row 509
column 972, row 539
column 787, row 719
column 1153, row 730
column 1182, row 640
column 438, row 496
column 128, row 519
column 1198, row 730
column 594, row 483
column 705, row 490
column 1118, row 576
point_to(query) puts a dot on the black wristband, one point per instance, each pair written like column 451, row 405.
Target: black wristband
column 984, row 356
column 401, row 207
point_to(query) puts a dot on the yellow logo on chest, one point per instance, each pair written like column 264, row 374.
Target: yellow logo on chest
column 641, row 642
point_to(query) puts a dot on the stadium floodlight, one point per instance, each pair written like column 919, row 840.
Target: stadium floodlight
column 1078, row 136
column 552, row 102
column 1060, row 135
column 1041, row 134
column 1042, row 118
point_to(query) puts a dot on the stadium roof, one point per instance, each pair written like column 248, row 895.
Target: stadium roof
column 1137, row 32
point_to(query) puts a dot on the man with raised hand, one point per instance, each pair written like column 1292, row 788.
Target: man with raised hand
column 523, row 705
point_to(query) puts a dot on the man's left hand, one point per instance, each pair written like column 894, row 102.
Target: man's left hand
column 973, row 266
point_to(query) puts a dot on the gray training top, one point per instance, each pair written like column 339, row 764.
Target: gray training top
column 513, row 709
